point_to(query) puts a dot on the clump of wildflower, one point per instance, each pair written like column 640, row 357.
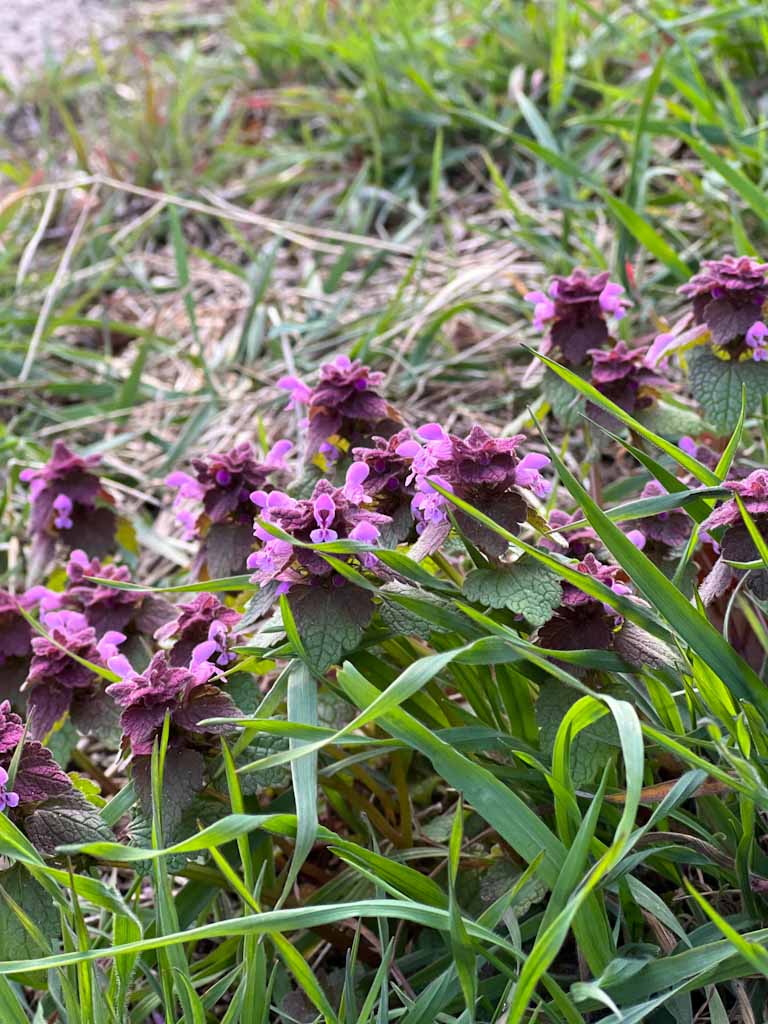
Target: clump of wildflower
column 214, row 505
column 184, row 693
column 575, row 310
column 344, row 404
column 204, row 620
column 624, row 376
column 582, row 622
column 57, row 683
column 332, row 513
column 485, row 471
column 69, row 504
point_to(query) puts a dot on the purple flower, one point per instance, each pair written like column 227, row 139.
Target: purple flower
column 8, row 798
column 56, row 680
column 328, row 515
column 183, row 693
column 728, row 297
column 63, row 507
column 343, row 404
column 624, row 376
column 575, row 309
column 69, row 503
column 202, row 620
column 543, row 309
column 485, row 471
column 756, row 339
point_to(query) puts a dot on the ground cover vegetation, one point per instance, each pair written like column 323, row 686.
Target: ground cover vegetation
column 384, row 537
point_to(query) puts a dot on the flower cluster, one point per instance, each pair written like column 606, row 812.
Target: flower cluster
column 575, row 309
column 222, row 484
column 68, row 503
column 58, row 682
column 343, row 405
column 183, row 693
column 624, row 376
column 486, row 472
column 583, row 622
column 332, row 513
column 727, row 299
column 202, row 630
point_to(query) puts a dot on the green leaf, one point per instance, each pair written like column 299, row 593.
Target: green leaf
column 181, row 785
column 717, row 383
column 526, row 587
column 566, row 404
column 302, row 707
column 15, row 940
column 590, row 748
column 68, row 819
column 672, row 421
column 330, row 622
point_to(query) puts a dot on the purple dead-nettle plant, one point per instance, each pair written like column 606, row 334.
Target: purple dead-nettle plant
column 332, row 513
column 624, row 376
column 665, row 534
column 582, row 622
column 214, row 504
column 57, row 682
column 575, row 312
column 487, row 472
column 185, row 693
column 727, row 297
column 344, row 407
column 70, row 505
column 205, row 620
column 38, row 777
